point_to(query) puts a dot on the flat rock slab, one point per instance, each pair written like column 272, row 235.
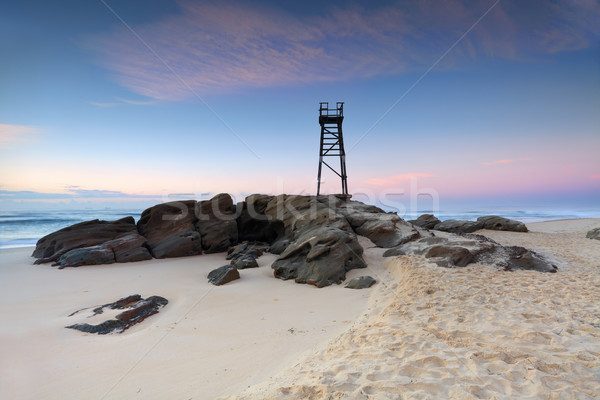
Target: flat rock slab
column 135, row 310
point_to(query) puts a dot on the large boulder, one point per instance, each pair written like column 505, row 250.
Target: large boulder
column 217, row 223
column 496, row 223
column 320, row 257
column 425, row 221
column 85, row 234
column 384, row 229
column 593, row 234
column 169, row 229
column 459, row 226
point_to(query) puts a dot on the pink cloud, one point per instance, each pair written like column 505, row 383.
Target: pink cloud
column 11, row 134
column 506, row 161
column 595, row 177
column 231, row 45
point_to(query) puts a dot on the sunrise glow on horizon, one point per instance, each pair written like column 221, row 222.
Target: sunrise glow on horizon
column 109, row 101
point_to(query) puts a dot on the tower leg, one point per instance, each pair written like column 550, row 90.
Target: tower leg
column 319, row 176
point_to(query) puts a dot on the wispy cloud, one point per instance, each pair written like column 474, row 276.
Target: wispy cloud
column 595, row 177
column 225, row 46
column 123, row 102
column 505, row 161
column 12, row 134
column 397, row 179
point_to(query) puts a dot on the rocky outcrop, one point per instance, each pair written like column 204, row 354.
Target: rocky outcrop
column 593, row 234
column 496, row 223
column 384, row 229
column 361, row 282
column 458, row 226
column 85, row 234
column 449, row 250
column 169, row 229
column 223, row 275
column 217, row 223
column 315, row 237
column 320, row 257
column 125, row 248
column 425, row 221
column 135, row 311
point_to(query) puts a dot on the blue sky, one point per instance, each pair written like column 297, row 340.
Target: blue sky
column 490, row 101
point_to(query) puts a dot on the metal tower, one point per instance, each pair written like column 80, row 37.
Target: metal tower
column 332, row 141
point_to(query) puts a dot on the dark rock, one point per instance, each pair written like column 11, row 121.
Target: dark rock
column 521, row 258
column 459, row 226
column 217, row 223
column 320, row 257
column 279, row 246
column 129, row 247
column 361, row 282
column 384, row 229
column 223, row 275
column 169, row 229
column 394, row 251
column 236, row 251
column 244, row 262
column 93, row 255
column 453, row 255
column 425, row 221
column 502, row 224
column 593, row 234
column 136, row 310
column 85, row 234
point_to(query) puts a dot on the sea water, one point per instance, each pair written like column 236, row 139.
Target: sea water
column 25, row 228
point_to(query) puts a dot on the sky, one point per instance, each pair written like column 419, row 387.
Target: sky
column 457, row 102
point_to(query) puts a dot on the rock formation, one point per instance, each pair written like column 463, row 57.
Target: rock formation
column 496, row 223
column 458, row 226
column 85, row 234
column 217, row 223
column 314, row 236
column 448, row 250
column 425, row 221
column 127, row 247
column 170, row 230
column 593, row 234
column 135, row 311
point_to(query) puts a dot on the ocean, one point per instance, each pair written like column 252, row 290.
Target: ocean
column 25, row 228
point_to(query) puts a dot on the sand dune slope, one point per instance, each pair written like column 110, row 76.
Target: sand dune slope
column 470, row 333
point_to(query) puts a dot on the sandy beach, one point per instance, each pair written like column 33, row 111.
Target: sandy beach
column 421, row 332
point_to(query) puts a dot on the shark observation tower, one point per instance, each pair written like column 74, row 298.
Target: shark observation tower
column 332, row 143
